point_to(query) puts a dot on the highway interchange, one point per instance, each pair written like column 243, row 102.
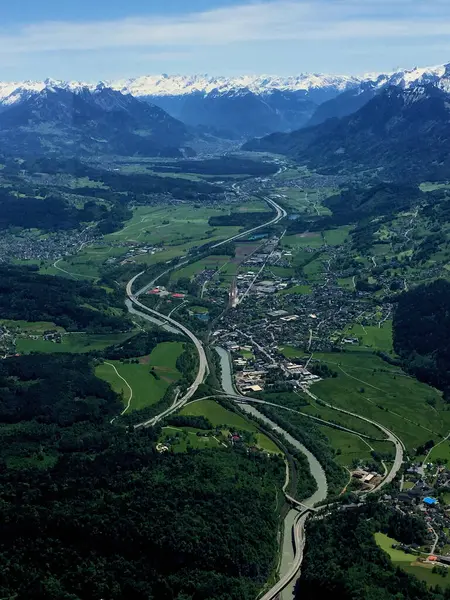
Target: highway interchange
column 298, row 528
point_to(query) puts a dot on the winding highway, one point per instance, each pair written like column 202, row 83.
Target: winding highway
column 298, row 526
column 151, row 314
column 281, row 214
column 203, row 362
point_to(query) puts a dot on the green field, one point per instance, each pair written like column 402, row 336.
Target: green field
column 72, row 342
column 371, row 336
column 31, row 327
column 147, row 389
column 369, row 386
column 350, row 447
column 291, row 352
column 408, row 562
column 220, row 416
column 346, row 283
column 172, row 225
column 441, row 452
column 181, row 438
column 176, row 229
column 296, row 289
column 336, row 237
column 209, row 262
column 302, row 240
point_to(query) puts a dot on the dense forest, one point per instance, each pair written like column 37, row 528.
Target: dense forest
column 140, row 345
column 342, row 560
column 75, row 305
column 421, row 330
column 90, row 510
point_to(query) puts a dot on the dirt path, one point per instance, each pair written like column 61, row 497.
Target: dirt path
column 128, row 386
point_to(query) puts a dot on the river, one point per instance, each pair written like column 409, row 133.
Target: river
column 316, row 469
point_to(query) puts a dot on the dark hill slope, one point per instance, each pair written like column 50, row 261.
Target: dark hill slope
column 403, row 134
column 86, row 122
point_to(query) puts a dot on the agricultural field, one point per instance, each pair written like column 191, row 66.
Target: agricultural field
column 220, row 416
column 173, row 229
column 72, row 342
column 30, row 327
column 371, row 387
column 409, row 563
column 179, row 439
column 209, row 262
column 147, row 387
column 172, row 225
column 302, row 240
column 441, row 452
column 350, row 448
column 296, row 289
column 371, row 336
column 336, row 237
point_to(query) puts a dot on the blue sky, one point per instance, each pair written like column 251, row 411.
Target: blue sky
column 99, row 39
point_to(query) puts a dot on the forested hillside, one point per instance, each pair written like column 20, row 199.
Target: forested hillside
column 422, row 332
column 90, row 510
column 343, row 561
column 76, row 306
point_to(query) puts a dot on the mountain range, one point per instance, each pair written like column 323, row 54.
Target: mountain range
column 245, row 106
column 399, row 133
column 338, row 120
column 88, row 121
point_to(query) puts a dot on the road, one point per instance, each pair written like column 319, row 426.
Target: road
column 203, row 362
column 281, row 214
column 130, row 398
column 299, row 540
column 399, row 445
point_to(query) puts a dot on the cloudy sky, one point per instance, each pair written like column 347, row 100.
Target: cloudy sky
column 102, row 39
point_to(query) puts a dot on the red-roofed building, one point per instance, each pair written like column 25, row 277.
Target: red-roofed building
column 154, row 291
column 178, row 295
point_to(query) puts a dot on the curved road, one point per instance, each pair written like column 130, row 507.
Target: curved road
column 203, row 362
column 399, row 445
column 281, row 214
column 299, row 523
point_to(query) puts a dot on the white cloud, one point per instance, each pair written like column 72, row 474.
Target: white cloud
column 276, row 20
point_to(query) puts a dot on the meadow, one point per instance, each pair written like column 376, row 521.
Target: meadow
column 369, row 386
column 408, row 563
column 72, row 342
column 229, row 421
column 147, row 389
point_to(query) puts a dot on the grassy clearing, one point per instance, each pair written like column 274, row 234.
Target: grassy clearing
column 336, row 237
column 179, row 439
column 346, row 283
column 291, row 352
column 303, row 240
column 369, row 386
column 349, row 447
column 31, row 327
column 147, row 389
column 73, row 342
column 408, row 562
column 209, row 262
column 221, row 417
column 296, row 289
column 371, row 336
column 441, row 452
column 172, row 225
column 218, row 415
